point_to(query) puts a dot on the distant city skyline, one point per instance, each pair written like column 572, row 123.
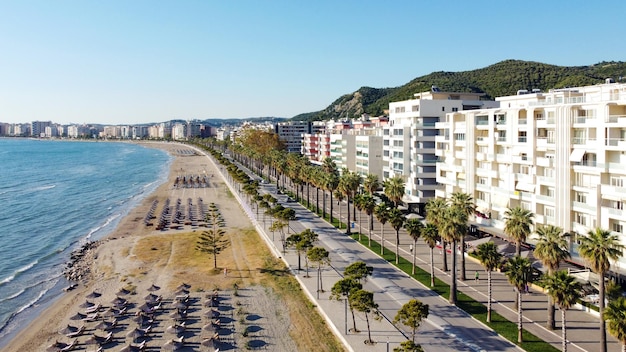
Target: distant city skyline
column 140, row 62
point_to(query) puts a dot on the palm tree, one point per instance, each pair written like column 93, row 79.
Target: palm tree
column 518, row 270
column 452, row 228
column 371, row 183
column 517, row 225
column 489, row 257
column 330, row 170
column 369, row 204
column 394, row 189
column 331, row 184
column 551, row 249
column 430, row 236
column 358, row 204
column 382, row 215
column 598, row 249
column 434, row 213
column 565, row 291
column 397, row 219
column 414, row 228
column 615, row 316
column 465, row 203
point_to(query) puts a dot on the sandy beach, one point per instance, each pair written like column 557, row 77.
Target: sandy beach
column 157, row 273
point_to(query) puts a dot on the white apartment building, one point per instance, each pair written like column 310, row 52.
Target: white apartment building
column 560, row 154
column 409, row 140
column 369, row 152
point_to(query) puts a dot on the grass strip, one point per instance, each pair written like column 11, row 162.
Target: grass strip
column 498, row 323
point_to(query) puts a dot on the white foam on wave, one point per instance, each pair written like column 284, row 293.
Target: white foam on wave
column 32, row 302
column 15, row 295
column 43, row 188
column 18, row 271
column 109, row 220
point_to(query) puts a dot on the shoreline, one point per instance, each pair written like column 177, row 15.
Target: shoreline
column 49, row 311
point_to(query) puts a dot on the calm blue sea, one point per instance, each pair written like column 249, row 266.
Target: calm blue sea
column 55, row 196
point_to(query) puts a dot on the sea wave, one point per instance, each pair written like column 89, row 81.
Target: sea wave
column 15, row 295
column 17, row 272
column 32, row 302
column 108, row 221
column 43, row 188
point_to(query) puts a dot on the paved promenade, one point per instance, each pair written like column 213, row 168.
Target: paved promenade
column 447, row 328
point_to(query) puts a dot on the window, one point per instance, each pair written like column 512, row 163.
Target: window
column 616, row 204
column 617, row 181
column 524, row 169
column 481, row 196
column 548, row 212
column 455, row 109
column 617, row 227
column 482, row 180
column 443, row 108
column 415, row 108
column 547, row 172
column 550, row 192
column 485, row 165
column 483, row 149
column 482, row 120
column 580, row 218
column 581, row 197
column 385, row 152
column 521, row 136
column 459, row 136
column 385, row 142
column 524, row 156
column 398, row 155
column 398, row 166
column 399, row 109
column 397, row 131
column 398, row 143
column 525, row 205
column 500, row 119
column 502, row 136
column 386, row 132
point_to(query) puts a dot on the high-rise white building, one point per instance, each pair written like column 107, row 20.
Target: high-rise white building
column 409, row 139
column 559, row 154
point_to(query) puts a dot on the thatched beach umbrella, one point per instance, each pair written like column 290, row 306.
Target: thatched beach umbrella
column 54, row 347
column 175, row 329
column 135, row 333
column 209, row 327
column 94, row 294
column 87, row 304
column 183, row 286
column 181, row 306
column 123, row 292
column 119, row 301
column 78, row 316
column 171, row 345
column 153, row 288
column 177, row 316
column 210, row 342
column 211, row 313
column 68, row 330
column 103, row 325
column 181, row 291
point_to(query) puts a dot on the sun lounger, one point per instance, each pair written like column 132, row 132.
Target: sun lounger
column 70, row 346
column 92, row 317
column 93, row 309
column 77, row 332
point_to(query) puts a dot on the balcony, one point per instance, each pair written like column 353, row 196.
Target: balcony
column 619, row 119
column 618, row 214
column 543, row 180
column 544, row 199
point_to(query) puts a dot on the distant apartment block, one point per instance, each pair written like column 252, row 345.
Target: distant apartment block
column 559, row 154
column 38, row 128
column 292, row 133
column 409, row 140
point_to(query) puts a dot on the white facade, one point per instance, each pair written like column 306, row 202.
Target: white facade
column 560, row 154
column 409, row 138
column 369, row 153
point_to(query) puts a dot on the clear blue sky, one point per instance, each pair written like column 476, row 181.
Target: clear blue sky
column 148, row 61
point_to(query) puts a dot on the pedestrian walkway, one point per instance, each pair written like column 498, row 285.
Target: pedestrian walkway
column 448, row 328
column 582, row 326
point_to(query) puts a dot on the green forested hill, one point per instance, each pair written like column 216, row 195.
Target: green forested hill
column 503, row 78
